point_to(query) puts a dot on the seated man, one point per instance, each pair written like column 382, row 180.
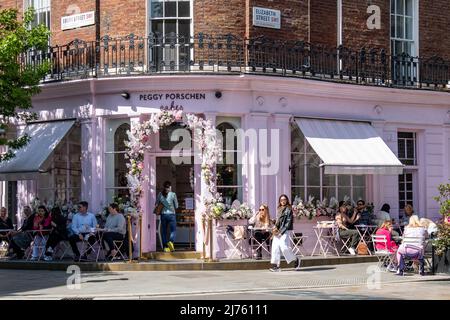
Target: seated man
column 82, row 224
column 20, row 240
column 116, row 229
column 361, row 209
column 5, row 224
column 345, row 224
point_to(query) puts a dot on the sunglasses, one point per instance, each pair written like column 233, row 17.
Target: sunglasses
column 261, row 209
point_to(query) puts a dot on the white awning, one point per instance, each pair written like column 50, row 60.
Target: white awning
column 349, row 147
column 34, row 157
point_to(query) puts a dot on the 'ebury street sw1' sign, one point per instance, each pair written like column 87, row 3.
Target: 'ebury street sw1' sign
column 267, row 18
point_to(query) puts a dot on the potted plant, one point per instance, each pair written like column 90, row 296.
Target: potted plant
column 441, row 244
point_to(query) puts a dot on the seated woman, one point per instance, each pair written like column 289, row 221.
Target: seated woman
column 386, row 230
column 262, row 224
column 58, row 233
column 345, row 224
column 412, row 246
column 41, row 221
column 115, row 229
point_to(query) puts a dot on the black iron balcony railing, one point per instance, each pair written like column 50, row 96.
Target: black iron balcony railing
column 174, row 54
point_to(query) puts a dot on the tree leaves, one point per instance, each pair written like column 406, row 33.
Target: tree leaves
column 23, row 64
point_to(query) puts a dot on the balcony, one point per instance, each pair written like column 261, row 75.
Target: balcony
column 205, row 54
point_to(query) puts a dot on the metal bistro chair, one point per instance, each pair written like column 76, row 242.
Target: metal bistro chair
column 95, row 248
column 385, row 258
column 118, row 245
column 411, row 242
column 256, row 245
column 64, row 247
column 41, row 248
column 297, row 241
column 236, row 244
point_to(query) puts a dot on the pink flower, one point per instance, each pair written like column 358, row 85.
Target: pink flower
column 144, row 139
column 178, row 115
column 141, row 165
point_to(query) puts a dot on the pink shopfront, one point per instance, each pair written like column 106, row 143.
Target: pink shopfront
column 300, row 137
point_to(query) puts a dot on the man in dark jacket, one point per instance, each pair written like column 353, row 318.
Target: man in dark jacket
column 22, row 240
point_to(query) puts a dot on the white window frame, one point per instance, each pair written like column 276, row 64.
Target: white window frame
column 150, row 19
column 111, row 153
column 405, row 140
column 322, row 173
column 415, row 28
column 53, row 187
column 235, row 123
column 43, row 6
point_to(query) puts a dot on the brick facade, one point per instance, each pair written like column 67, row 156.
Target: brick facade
column 119, row 18
column 214, row 17
column 294, row 20
column 434, row 21
column 63, row 8
column 324, row 22
column 314, row 21
column 356, row 35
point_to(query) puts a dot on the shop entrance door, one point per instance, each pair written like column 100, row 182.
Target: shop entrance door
column 181, row 178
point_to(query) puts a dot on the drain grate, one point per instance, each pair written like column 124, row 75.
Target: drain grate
column 78, row 298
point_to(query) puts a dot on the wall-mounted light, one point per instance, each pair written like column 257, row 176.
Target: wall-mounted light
column 125, row 95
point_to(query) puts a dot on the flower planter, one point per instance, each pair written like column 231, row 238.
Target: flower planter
column 441, row 264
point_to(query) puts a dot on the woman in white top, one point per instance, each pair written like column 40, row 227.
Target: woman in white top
column 413, row 245
column 383, row 214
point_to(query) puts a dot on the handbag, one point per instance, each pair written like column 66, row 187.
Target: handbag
column 362, row 249
column 158, row 209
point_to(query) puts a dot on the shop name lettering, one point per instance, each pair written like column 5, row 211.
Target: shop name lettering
column 172, row 96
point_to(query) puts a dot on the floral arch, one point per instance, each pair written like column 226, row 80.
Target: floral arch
column 204, row 136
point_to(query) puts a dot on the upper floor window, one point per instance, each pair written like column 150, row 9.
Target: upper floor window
column 171, row 25
column 171, row 16
column 403, row 23
column 407, row 148
column 42, row 11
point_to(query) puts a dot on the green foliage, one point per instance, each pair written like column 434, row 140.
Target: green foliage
column 19, row 81
column 442, row 243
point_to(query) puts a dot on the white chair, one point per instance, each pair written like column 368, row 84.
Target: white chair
column 95, row 247
column 118, row 244
column 64, row 247
column 236, row 245
column 297, row 242
column 385, row 258
column 256, row 245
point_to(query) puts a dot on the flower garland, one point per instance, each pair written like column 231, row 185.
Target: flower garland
column 300, row 209
column 241, row 212
column 204, row 137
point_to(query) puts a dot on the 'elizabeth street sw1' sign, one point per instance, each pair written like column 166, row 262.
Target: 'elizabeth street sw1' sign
column 267, row 18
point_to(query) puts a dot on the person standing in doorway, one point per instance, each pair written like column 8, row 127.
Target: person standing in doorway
column 168, row 199
column 280, row 243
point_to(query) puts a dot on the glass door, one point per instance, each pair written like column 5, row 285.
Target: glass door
column 181, row 177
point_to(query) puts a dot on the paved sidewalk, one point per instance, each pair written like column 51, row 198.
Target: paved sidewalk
column 142, row 285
